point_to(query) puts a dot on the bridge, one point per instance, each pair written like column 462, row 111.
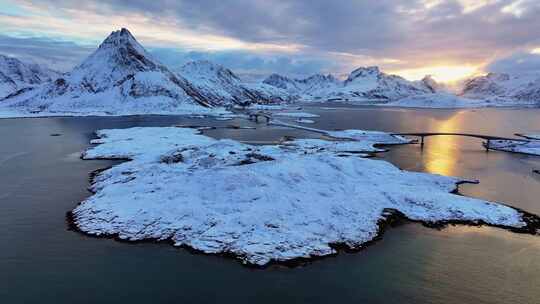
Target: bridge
column 488, row 138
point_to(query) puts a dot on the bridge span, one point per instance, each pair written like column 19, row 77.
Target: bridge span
column 487, row 138
column 422, row 135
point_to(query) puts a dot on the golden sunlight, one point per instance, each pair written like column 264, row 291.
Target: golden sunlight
column 442, row 151
column 439, row 73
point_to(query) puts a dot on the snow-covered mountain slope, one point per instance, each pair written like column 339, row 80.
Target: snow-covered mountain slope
column 439, row 100
column 363, row 84
column 221, row 86
column 120, row 77
column 268, row 94
column 319, row 82
column 523, row 88
column 430, row 84
column 311, row 86
column 289, row 85
column 16, row 75
column 371, row 83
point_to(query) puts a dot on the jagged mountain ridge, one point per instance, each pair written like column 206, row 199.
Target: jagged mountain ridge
column 299, row 87
column 365, row 83
column 119, row 76
column 431, row 84
column 220, row 85
column 16, row 75
column 512, row 88
column 122, row 77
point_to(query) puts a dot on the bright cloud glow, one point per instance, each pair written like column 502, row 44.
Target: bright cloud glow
column 516, row 8
column 468, row 5
column 472, row 5
column 86, row 25
column 410, row 37
column 439, row 73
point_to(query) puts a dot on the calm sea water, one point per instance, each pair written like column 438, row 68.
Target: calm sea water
column 42, row 177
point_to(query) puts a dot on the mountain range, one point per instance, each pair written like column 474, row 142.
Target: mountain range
column 121, row 77
column 524, row 88
column 220, row 86
column 16, row 75
column 363, row 84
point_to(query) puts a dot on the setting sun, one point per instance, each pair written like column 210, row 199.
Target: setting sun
column 439, row 73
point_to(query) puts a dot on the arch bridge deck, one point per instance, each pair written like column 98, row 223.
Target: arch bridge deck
column 488, row 138
column 268, row 117
column 481, row 136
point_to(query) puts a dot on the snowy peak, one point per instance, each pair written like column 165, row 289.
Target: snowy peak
column 364, row 72
column 121, row 63
column 525, row 87
column 119, row 38
column 281, row 82
column 21, row 72
column 431, row 84
column 16, row 75
column 120, row 76
column 204, row 69
column 300, row 86
column 320, row 78
column 117, row 57
column 362, row 84
column 123, row 39
column 482, row 85
column 370, row 83
column 314, row 85
column 220, row 86
column 498, row 76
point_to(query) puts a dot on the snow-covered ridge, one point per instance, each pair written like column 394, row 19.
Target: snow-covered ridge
column 117, row 57
column 362, row 85
column 530, row 136
column 505, row 88
column 16, row 75
column 441, row 100
column 221, row 86
column 261, row 203
column 120, row 77
column 531, row 147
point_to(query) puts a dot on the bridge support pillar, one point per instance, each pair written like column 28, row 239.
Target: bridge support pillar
column 487, row 146
column 422, row 142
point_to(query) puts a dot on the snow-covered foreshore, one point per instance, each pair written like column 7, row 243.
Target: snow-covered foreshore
column 445, row 100
column 181, row 110
column 531, row 147
column 261, row 204
column 296, row 114
column 530, row 136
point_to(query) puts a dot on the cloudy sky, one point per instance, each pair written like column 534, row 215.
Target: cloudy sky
column 446, row 38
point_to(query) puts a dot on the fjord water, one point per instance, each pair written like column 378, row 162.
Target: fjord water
column 41, row 261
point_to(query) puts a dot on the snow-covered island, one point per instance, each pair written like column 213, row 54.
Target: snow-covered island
column 263, row 204
column 532, row 146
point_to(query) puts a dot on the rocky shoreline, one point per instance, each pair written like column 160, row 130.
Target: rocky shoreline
column 392, row 219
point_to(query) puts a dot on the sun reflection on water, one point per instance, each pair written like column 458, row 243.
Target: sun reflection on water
column 441, row 152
